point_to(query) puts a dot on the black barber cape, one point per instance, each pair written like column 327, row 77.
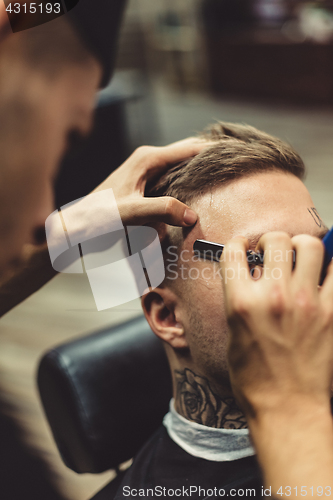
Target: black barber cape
column 163, row 470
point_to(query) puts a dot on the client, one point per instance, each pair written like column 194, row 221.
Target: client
column 248, row 183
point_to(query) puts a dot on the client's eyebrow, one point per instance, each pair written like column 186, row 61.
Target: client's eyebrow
column 253, row 239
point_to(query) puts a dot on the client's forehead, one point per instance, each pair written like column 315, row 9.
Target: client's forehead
column 253, row 205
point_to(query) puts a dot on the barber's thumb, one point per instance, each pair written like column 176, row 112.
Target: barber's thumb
column 165, row 209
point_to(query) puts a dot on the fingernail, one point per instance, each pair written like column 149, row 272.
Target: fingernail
column 190, row 217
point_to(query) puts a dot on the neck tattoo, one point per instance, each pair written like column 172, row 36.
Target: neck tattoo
column 196, row 401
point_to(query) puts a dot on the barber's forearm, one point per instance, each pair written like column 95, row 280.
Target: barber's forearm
column 295, row 449
column 35, row 271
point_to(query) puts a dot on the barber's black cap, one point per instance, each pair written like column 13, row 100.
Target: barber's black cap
column 98, row 23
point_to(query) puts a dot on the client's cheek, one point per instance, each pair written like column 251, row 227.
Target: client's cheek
column 206, row 274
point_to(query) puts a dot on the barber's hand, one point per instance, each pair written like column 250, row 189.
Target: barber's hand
column 129, row 180
column 281, row 325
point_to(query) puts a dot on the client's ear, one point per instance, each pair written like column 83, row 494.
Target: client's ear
column 159, row 308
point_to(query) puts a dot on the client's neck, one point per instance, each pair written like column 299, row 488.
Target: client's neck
column 195, row 400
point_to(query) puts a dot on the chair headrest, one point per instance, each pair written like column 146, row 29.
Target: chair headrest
column 105, row 394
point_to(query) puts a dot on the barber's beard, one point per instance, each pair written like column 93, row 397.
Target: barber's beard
column 9, row 269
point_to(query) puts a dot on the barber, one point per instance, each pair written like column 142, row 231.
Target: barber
column 128, row 184
column 49, row 76
column 280, row 359
column 96, row 34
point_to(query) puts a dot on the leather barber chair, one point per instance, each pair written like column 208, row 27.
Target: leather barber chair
column 104, row 395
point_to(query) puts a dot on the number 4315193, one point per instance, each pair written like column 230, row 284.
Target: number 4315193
column 33, row 8
column 305, row 491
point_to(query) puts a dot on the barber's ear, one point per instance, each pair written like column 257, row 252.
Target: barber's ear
column 5, row 28
column 159, row 308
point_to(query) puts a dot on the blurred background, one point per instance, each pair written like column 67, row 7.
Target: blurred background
column 181, row 65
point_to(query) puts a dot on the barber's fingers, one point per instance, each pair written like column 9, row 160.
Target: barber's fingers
column 326, row 299
column 178, row 151
column 235, row 268
column 326, row 290
column 137, row 210
column 278, row 255
column 309, row 261
column 148, row 161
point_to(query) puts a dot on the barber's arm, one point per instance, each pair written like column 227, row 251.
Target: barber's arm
column 128, row 184
column 280, row 358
